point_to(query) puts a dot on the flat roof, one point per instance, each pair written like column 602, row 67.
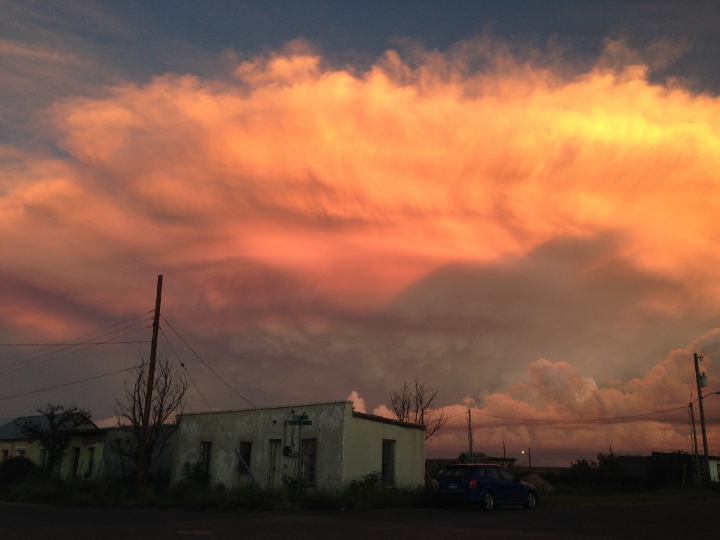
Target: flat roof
column 364, row 416
column 382, row 419
column 295, row 405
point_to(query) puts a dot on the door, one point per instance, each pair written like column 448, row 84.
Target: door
column 514, row 489
column 274, row 457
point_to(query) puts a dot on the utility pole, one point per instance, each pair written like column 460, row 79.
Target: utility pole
column 503, row 449
column 696, row 460
column 148, row 394
column 529, row 461
column 700, row 383
column 470, row 439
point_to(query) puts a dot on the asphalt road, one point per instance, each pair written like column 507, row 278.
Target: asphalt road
column 36, row 522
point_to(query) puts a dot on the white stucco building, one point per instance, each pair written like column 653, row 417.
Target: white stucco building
column 339, row 446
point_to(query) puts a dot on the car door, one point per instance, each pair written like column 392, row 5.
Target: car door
column 498, row 484
column 514, row 489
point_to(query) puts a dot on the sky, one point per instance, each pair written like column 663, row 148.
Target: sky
column 513, row 202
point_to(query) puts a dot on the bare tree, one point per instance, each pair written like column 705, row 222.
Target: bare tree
column 166, row 411
column 414, row 403
column 54, row 430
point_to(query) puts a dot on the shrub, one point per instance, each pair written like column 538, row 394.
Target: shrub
column 368, row 482
column 16, row 470
column 195, row 474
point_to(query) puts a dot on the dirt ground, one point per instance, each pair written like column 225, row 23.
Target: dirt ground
column 36, row 522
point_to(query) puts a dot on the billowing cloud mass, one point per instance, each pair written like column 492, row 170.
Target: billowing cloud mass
column 514, row 232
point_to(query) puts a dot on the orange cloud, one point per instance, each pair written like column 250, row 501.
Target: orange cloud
column 320, row 169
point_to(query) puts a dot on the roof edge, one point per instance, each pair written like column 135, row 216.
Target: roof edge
column 382, row 419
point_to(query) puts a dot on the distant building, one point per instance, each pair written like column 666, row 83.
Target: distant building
column 433, row 466
column 82, row 455
column 639, row 466
column 480, row 457
column 117, row 465
column 327, row 445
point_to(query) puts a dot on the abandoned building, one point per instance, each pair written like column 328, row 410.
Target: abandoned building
column 326, row 445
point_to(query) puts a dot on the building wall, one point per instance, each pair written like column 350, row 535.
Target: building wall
column 348, row 447
column 33, row 451
column 363, row 450
column 226, row 430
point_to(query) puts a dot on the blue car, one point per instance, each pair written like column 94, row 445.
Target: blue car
column 488, row 485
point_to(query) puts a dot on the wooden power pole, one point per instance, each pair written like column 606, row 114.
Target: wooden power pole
column 706, row 472
column 470, row 439
column 694, row 445
column 148, row 395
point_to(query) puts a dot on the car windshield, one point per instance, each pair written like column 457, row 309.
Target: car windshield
column 457, row 472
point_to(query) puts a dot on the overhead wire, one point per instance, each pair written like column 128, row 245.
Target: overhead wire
column 81, row 336
column 4, row 370
column 3, row 398
column 75, row 345
column 205, row 363
column 577, row 421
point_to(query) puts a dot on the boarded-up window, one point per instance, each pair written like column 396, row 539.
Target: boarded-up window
column 205, row 452
column 309, row 461
column 388, row 463
column 245, row 454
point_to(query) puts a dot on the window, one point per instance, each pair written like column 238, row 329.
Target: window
column 5, row 455
column 91, row 462
column 205, row 451
column 493, row 472
column 245, row 454
column 20, row 452
column 507, row 475
column 455, row 472
column 309, row 461
column 388, row 463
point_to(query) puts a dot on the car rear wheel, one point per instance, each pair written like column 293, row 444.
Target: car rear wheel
column 488, row 501
column 530, row 501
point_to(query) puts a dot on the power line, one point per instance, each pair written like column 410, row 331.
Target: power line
column 205, row 363
column 72, row 346
column 4, row 371
column 577, row 421
column 67, row 384
column 84, row 335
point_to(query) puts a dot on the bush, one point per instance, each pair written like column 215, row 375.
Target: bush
column 16, row 470
column 368, row 482
column 195, row 474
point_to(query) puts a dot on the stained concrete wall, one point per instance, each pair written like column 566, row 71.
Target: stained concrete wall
column 348, row 446
column 226, row 430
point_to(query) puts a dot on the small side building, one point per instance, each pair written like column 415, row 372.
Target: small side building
column 328, row 445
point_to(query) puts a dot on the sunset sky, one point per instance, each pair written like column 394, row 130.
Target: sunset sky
column 515, row 202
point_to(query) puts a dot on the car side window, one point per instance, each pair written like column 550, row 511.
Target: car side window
column 480, row 472
column 507, row 475
column 458, row 472
column 492, row 472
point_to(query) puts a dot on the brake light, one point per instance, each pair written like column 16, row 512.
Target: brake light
column 473, row 483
